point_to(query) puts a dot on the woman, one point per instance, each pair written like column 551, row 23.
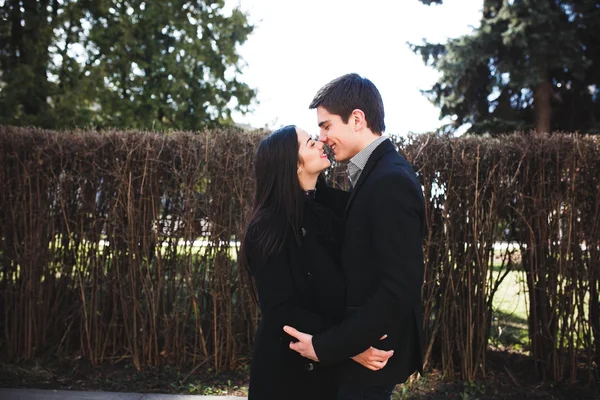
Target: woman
column 291, row 249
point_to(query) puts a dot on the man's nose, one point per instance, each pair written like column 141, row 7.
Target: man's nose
column 322, row 137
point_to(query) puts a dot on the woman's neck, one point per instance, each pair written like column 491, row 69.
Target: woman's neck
column 308, row 182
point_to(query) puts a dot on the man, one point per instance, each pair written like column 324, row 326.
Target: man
column 382, row 256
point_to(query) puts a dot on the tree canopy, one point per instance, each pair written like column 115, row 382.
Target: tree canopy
column 123, row 64
column 529, row 65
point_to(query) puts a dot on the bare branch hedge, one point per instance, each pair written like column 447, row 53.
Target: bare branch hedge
column 123, row 245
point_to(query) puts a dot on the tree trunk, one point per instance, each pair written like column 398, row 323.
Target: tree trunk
column 542, row 102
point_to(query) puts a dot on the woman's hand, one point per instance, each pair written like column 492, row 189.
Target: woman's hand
column 372, row 358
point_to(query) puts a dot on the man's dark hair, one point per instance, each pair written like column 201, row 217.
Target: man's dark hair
column 345, row 94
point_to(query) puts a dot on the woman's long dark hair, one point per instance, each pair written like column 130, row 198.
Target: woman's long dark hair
column 278, row 200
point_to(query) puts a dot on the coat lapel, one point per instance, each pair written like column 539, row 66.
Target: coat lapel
column 385, row 147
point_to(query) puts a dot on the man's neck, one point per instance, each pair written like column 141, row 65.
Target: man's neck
column 369, row 138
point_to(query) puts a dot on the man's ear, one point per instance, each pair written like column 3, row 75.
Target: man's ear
column 358, row 119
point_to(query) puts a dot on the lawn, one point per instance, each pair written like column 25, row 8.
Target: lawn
column 510, row 311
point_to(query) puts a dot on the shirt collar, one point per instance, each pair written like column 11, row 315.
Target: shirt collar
column 359, row 161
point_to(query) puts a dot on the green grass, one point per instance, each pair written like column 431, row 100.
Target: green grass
column 510, row 310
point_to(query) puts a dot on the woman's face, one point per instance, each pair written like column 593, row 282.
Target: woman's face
column 312, row 158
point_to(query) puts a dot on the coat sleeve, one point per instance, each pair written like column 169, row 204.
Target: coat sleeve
column 333, row 199
column 278, row 297
column 396, row 215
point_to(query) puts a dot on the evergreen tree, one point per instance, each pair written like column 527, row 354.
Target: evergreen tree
column 529, row 65
column 123, row 64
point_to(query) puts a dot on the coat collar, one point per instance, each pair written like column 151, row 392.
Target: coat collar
column 385, row 147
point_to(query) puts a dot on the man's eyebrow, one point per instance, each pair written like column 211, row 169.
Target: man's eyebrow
column 323, row 123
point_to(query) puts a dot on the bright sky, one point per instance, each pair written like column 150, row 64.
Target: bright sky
column 298, row 46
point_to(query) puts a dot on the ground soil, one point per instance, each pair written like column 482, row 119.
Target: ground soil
column 508, row 376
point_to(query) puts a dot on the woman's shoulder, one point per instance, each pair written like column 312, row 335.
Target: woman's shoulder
column 255, row 235
column 261, row 236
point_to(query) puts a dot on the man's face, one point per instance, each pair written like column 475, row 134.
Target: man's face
column 340, row 137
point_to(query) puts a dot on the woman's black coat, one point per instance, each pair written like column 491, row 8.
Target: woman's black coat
column 301, row 286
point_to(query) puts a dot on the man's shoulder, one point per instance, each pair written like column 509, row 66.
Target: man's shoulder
column 393, row 177
column 394, row 157
column 394, row 172
column 392, row 165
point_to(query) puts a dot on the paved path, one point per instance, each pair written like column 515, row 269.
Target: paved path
column 36, row 394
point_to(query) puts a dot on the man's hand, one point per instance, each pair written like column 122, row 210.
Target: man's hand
column 373, row 359
column 304, row 344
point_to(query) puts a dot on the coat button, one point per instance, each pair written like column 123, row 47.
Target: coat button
column 303, row 232
column 309, row 366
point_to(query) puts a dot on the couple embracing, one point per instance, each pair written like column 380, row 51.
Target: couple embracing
column 338, row 274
